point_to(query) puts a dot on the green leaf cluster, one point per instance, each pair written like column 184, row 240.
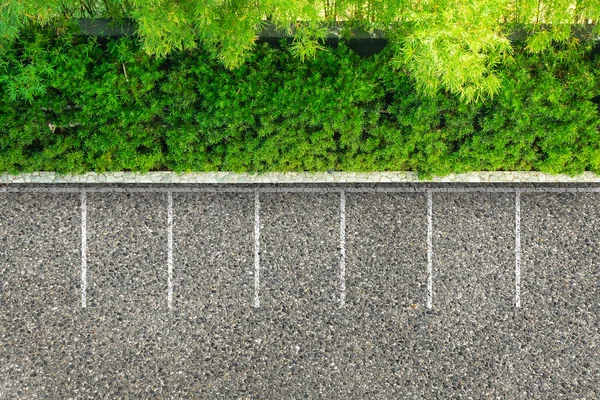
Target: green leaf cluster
column 92, row 105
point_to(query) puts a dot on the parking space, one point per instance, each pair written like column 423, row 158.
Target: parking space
column 123, row 325
column 559, row 326
column 39, row 293
column 332, row 292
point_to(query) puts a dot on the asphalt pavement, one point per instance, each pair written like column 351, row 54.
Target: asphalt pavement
column 351, row 291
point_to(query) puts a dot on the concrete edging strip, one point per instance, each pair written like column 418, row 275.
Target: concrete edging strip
column 290, row 177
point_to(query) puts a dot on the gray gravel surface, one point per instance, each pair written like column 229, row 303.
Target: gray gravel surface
column 383, row 343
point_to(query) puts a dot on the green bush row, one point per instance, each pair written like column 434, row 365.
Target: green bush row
column 76, row 104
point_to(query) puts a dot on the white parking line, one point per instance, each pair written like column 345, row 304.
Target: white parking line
column 342, row 248
column 518, row 249
column 83, row 249
column 256, row 249
column 429, row 250
column 257, row 191
column 170, row 250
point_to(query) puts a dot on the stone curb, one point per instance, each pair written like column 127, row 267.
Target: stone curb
column 290, row 177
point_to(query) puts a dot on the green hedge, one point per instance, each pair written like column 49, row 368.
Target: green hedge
column 77, row 105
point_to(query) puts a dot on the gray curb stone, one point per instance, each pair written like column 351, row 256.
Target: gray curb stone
column 290, row 177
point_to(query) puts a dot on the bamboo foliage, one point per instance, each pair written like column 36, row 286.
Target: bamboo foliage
column 444, row 44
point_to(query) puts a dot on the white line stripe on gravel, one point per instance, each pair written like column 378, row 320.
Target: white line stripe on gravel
column 429, row 192
column 83, row 249
column 170, row 250
column 256, row 249
column 342, row 248
column 518, row 249
column 429, row 250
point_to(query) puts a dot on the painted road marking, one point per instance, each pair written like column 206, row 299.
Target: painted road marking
column 83, row 249
column 518, row 248
column 429, row 250
column 342, row 248
column 170, row 250
column 256, row 191
column 256, row 249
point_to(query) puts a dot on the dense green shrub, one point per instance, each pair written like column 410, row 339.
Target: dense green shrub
column 74, row 105
column 544, row 118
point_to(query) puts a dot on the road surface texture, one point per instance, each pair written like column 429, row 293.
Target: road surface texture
column 351, row 291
